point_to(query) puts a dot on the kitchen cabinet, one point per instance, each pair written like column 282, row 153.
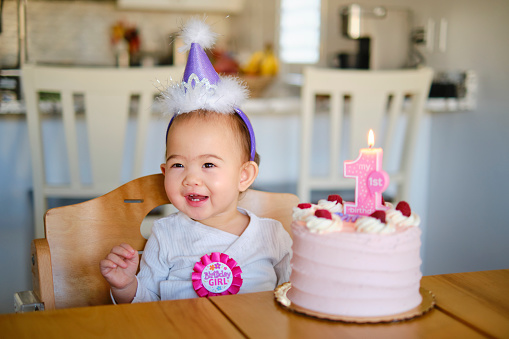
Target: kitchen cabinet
column 226, row 6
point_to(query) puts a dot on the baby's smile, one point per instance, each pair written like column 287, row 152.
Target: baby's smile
column 196, row 197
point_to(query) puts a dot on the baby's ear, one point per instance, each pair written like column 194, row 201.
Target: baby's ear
column 248, row 174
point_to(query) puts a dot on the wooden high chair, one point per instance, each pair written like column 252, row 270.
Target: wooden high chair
column 65, row 269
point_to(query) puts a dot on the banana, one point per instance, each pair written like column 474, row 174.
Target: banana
column 262, row 63
column 269, row 65
column 253, row 66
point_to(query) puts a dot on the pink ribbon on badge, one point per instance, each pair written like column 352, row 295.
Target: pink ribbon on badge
column 216, row 274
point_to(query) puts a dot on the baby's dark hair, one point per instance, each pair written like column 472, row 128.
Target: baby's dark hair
column 234, row 121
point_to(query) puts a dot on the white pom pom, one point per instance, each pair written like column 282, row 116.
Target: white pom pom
column 197, row 31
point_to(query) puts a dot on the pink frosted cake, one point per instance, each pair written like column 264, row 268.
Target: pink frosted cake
column 355, row 266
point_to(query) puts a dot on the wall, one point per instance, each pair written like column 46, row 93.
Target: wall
column 254, row 27
column 469, row 163
column 467, row 228
column 16, row 218
column 78, row 32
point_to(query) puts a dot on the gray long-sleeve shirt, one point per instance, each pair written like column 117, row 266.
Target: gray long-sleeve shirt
column 263, row 252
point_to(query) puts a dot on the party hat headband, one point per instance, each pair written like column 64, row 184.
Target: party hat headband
column 201, row 87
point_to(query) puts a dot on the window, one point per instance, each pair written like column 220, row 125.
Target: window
column 299, row 30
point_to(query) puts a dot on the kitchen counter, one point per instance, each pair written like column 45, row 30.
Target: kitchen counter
column 256, row 106
column 270, row 106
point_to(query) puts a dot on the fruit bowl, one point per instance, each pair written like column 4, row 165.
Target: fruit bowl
column 257, row 84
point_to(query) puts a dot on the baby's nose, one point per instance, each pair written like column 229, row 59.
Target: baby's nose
column 192, row 179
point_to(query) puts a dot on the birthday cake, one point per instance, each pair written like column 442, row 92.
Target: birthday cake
column 355, row 265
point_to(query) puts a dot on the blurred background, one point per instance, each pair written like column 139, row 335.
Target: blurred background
column 460, row 182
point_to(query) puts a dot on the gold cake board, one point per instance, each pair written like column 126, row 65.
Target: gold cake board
column 428, row 302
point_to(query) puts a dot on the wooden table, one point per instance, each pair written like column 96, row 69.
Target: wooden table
column 468, row 305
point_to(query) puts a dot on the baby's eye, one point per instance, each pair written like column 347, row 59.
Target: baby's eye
column 208, row 165
column 177, row 166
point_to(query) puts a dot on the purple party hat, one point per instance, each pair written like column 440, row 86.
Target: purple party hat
column 199, row 64
column 201, row 86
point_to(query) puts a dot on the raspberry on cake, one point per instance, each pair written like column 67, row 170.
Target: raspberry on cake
column 404, row 208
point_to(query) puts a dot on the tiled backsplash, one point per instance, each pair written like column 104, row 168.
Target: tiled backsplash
column 9, row 35
column 78, row 32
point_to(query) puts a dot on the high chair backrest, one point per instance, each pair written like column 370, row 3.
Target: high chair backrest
column 339, row 107
column 66, row 262
column 88, row 128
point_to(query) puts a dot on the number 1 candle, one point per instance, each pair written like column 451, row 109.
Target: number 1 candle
column 370, row 180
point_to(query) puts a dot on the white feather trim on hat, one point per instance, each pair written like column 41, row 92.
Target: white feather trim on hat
column 230, row 92
column 183, row 97
column 197, row 31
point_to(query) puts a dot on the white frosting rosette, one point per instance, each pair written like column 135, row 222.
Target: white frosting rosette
column 369, row 224
column 302, row 214
column 331, row 206
column 399, row 220
column 333, row 203
column 402, row 215
column 317, row 224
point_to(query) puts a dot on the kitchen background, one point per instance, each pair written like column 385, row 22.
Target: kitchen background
column 461, row 186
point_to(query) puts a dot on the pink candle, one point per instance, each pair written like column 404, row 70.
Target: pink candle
column 370, row 180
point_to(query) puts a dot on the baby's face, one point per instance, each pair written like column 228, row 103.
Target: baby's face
column 203, row 170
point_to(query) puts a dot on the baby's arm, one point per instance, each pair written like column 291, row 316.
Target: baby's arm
column 283, row 267
column 119, row 269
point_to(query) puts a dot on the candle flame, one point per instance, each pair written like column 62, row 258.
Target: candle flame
column 371, row 138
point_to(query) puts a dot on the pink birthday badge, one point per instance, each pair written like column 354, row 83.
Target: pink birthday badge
column 216, row 274
column 370, row 180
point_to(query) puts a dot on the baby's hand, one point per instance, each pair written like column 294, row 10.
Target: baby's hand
column 119, row 267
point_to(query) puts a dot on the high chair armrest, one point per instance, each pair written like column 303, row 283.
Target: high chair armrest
column 42, row 273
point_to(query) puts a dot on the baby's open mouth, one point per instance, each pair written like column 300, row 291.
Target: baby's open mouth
column 196, row 197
